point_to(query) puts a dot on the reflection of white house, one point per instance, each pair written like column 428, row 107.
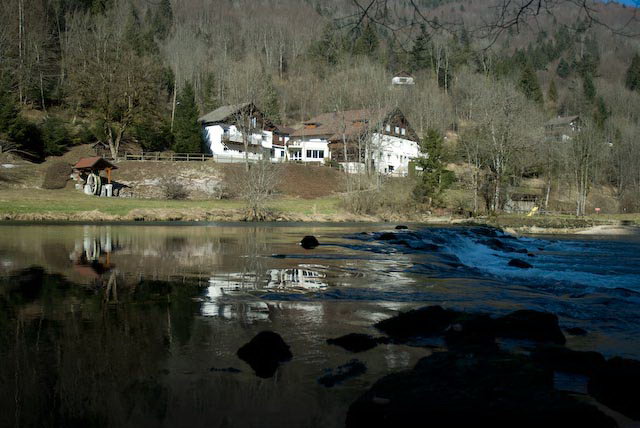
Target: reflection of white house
column 214, row 304
column 296, row 278
column 223, row 133
column 381, row 138
column 402, row 78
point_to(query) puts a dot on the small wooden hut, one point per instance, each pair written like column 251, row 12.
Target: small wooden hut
column 88, row 172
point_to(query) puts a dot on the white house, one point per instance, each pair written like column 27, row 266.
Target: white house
column 223, row 133
column 380, row 138
column 402, row 78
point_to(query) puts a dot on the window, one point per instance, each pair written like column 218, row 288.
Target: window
column 388, row 128
column 403, row 131
column 397, row 129
column 254, row 122
column 315, row 154
column 390, row 168
column 281, row 153
column 296, row 154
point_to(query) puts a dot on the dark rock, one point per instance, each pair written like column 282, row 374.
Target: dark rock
column 309, row 242
column 264, row 353
column 346, row 371
column 387, row 236
column 401, row 227
column 465, row 389
column 531, row 255
column 427, row 321
column 616, row 386
column 355, row 342
column 471, row 330
column 531, row 325
column 577, row 331
column 487, row 231
column 520, row 264
column 567, row 360
column 226, row 370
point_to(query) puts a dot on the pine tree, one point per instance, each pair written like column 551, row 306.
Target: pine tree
column 563, row 69
column 601, row 113
column 186, row 130
column 552, row 94
column 162, row 19
column 210, row 99
column 8, row 104
column 529, row 85
column 434, row 178
column 367, row 43
column 270, row 99
column 588, row 88
column 419, row 56
column 632, row 80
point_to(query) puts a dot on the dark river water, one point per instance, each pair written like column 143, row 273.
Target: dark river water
column 129, row 325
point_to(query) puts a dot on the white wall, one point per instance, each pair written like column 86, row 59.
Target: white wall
column 315, row 144
column 389, row 151
column 213, row 135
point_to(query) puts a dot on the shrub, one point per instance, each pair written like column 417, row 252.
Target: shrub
column 55, row 136
column 173, row 189
column 57, row 175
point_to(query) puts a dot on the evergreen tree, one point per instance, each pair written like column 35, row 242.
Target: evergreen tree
column 563, row 69
column 162, row 19
column 601, row 113
column 8, row 104
column 552, row 94
column 529, row 85
column 270, row 99
column 186, row 130
column 632, row 80
column 588, row 88
column 210, row 99
column 434, row 178
column 419, row 56
column 367, row 43
column 328, row 48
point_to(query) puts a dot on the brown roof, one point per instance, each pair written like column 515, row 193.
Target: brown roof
column 334, row 125
column 95, row 162
column 562, row 120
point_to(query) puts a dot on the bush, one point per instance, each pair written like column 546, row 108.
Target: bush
column 55, row 137
column 57, row 175
column 28, row 137
column 173, row 189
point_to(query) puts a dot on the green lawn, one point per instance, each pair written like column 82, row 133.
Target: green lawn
column 22, row 201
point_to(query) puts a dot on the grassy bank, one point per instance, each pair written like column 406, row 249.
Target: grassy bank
column 20, row 203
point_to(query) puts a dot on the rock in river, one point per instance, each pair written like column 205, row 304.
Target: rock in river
column 520, row 264
column 355, row 342
column 401, row 227
column 567, row 360
column 427, row 321
column 346, row 371
column 616, row 385
column 309, row 242
column 264, row 353
column 450, row 389
column 531, row 325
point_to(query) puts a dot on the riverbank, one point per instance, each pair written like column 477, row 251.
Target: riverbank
column 67, row 205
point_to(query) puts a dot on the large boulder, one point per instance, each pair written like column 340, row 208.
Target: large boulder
column 616, row 385
column 567, row 360
column 264, row 353
column 427, row 321
column 309, row 242
column 531, row 325
column 520, row 264
column 471, row 330
column 355, row 342
column 465, row 389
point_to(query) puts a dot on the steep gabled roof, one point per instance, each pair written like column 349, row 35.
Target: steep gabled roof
column 349, row 123
column 222, row 114
column 562, row 120
column 94, row 162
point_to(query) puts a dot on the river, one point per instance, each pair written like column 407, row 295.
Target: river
column 138, row 325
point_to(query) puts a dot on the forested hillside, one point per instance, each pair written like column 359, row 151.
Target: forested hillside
column 76, row 71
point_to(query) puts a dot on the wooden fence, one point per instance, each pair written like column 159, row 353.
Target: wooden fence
column 179, row 157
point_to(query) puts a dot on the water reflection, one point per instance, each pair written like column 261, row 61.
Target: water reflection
column 305, row 278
